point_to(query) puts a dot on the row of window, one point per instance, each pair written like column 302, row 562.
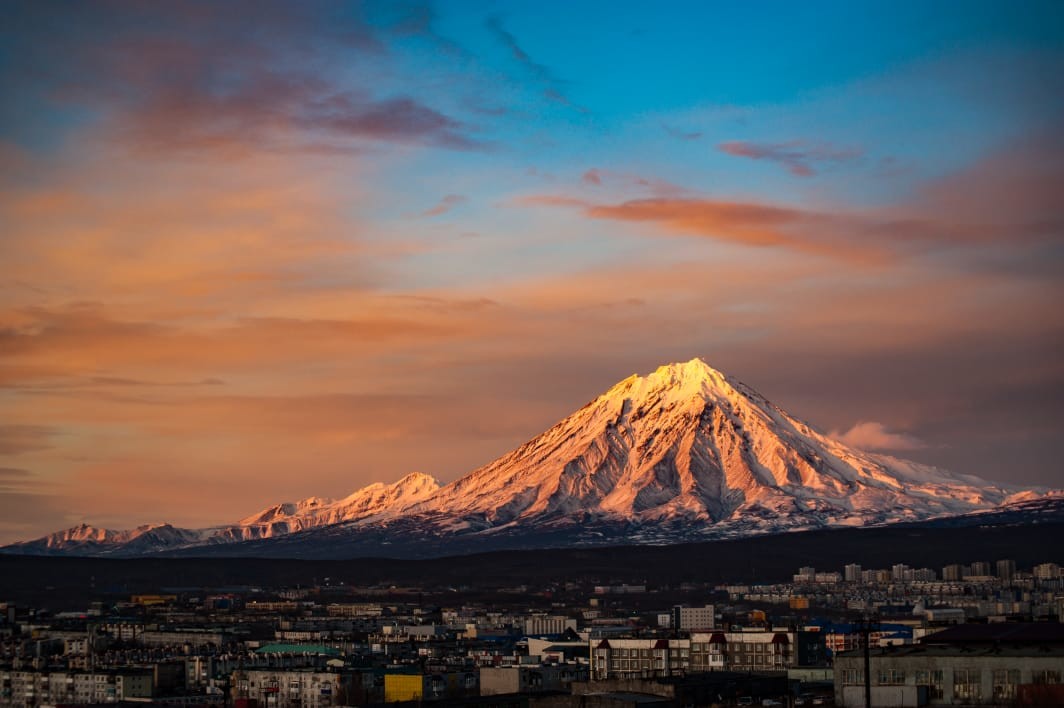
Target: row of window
column 967, row 683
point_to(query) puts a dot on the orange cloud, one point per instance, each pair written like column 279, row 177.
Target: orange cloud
column 744, row 223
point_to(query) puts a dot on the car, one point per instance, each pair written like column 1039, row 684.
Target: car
column 806, row 699
column 746, row 700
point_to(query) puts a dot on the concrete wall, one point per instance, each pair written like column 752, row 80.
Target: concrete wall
column 883, row 696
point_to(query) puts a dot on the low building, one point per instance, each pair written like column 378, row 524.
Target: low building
column 963, row 665
column 535, row 678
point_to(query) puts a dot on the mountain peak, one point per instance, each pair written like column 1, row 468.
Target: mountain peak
column 696, row 371
column 679, row 380
column 418, row 479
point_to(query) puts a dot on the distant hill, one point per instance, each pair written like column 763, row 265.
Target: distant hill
column 1028, row 536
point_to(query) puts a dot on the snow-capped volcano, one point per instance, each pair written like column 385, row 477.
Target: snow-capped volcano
column 683, row 453
column 689, row 442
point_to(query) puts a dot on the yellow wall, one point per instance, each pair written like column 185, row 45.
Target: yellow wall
column 403, row 687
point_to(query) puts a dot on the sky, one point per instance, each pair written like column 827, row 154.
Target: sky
column 255, row 252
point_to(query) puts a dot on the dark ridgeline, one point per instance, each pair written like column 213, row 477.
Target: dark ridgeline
column 57, row 581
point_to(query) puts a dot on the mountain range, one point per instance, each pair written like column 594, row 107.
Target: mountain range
column 685, row 453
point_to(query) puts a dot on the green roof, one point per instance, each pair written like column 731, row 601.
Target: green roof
column 283, row 648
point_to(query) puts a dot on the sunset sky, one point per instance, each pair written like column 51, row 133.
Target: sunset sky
column 254, row 252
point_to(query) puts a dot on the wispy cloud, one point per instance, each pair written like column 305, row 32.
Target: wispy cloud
column 799, row 157
column 445, row 205
column 180, row 78
column 977, row 214
column 20, row 439
column 552, row 86
column 686, row 135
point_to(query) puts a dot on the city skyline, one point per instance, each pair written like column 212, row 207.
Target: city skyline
column 255, row 253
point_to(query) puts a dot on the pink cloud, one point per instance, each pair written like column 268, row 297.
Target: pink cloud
column 870, row 435
column 445, row 205
column 592, row 176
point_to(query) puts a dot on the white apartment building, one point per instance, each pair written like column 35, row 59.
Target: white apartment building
column 23, row 689
column 281, row 688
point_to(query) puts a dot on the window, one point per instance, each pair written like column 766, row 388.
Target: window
column 852, row 676
column 1005, row 681
column 936, row 687
column 1048, row 676
column 891, row 677
column 967, row 684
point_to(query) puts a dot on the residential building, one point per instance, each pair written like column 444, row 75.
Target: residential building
column 690, row 619
column 284, row 688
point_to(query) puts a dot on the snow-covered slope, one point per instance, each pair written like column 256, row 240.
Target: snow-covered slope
column 377, row 500
column 683, row 453
column 687, row 443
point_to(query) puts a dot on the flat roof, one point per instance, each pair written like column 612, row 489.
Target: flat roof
column 1026, row 632
column 946, row 650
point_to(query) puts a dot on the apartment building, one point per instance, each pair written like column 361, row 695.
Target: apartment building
column 776, row 649
column 281, row 688
column 23, row 689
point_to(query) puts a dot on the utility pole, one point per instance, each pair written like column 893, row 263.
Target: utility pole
column 865, row 626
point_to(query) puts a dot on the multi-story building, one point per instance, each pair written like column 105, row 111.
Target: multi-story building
column 691, row 619
column 283, row 688
column 953, row 573
column 1006, row 569
column 23, row 689
column 629, row 657
column 548, row 624
column 741, row 650
column 1047, row 571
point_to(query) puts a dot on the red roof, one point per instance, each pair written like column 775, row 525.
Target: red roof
column 661, row 644
column 604, row 644
column 717, row 638
column 780, row 638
